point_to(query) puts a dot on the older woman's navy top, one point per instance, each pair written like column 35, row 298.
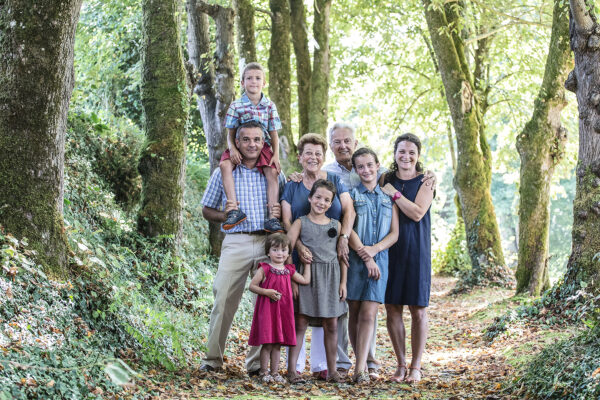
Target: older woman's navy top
column 296, row 194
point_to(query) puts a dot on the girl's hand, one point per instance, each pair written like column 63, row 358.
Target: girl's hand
column 343, row 292
column 295, row 290
column 304, row 253
column 373, row 269
column 235, row 156
column 367, row 252
column 273, row 294
column 295, row 177
column 389, row 189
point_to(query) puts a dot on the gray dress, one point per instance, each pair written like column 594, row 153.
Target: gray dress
column 321, row 297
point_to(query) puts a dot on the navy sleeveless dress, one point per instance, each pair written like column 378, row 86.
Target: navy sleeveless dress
column 409, row 278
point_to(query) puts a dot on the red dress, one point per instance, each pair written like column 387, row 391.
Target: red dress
column 273, row 321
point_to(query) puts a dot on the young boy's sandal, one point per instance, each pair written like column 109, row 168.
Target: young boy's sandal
column 398, row 375
column 410, row 380
column 278, row 378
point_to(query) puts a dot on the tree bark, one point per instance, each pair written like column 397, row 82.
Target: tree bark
column 279, row 70
column 36, row 81
column 319, row 85
column 473, row 173
column 303, row 67
column 165, row 101
column 244, row 17
column 541, row 147
column 584, row 80
column 214, row 84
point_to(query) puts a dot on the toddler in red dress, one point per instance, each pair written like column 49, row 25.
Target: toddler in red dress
column 273, row 320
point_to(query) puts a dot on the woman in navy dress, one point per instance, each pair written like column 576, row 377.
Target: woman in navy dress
column 409, row 279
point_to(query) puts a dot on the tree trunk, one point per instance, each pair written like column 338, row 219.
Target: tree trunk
column 215, row 83
column 303, row 67
column 279, row 71
column 244, row 17
column 36, row 81
column 473, row 172
column 165, row 101
column 319, row 85
column 541, row 147
column 584, row 80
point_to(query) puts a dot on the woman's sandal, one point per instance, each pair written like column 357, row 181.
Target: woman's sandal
column 410, row 380
column 294, row 378
column 398, row 376
column 335, row 378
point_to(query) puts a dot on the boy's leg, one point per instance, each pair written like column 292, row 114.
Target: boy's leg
column 272, row 224
column 234, row 217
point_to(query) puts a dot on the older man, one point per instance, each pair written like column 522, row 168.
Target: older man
column 244, row 245
column 343, row 143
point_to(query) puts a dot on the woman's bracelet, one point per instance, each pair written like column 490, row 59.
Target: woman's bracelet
column 396, row 196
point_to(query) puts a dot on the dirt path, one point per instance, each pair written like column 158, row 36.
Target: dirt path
column 458, row 362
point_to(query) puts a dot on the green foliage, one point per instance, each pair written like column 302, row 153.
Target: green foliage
column 127, row 297
column 564, row 370
column 454, row 259
column 113, row 155
column 107, row 59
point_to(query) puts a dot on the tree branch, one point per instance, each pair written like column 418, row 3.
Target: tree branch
column 581, row 15
column 262, row 10
column 210, row 9
column 511, row 17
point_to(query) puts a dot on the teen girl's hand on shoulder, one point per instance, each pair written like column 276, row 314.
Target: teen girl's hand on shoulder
column 389, row 189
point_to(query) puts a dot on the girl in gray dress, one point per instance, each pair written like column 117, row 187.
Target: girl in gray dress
column 325, row 296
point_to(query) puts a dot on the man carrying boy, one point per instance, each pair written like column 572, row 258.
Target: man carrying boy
column 253, row 105
column 243, row 246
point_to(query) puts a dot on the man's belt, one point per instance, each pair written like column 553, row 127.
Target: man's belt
column 261, row 232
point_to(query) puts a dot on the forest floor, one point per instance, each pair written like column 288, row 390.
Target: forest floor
column 459, row 362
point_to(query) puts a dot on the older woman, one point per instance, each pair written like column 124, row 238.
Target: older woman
column 294, row 204
column 409, row 279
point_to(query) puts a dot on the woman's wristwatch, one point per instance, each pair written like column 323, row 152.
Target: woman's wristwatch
column 345, row 236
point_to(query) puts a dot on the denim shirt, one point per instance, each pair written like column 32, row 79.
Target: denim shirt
column 373, row 220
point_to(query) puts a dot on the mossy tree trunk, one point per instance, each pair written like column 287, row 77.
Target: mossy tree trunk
column 584, row 80
column 279, row 71
column 541, row 147
column 214, row 81
column 303, row 67
column 165, row 101
column 244, row 17
column 319, row 85
column 36, row 81
column 473, row 172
